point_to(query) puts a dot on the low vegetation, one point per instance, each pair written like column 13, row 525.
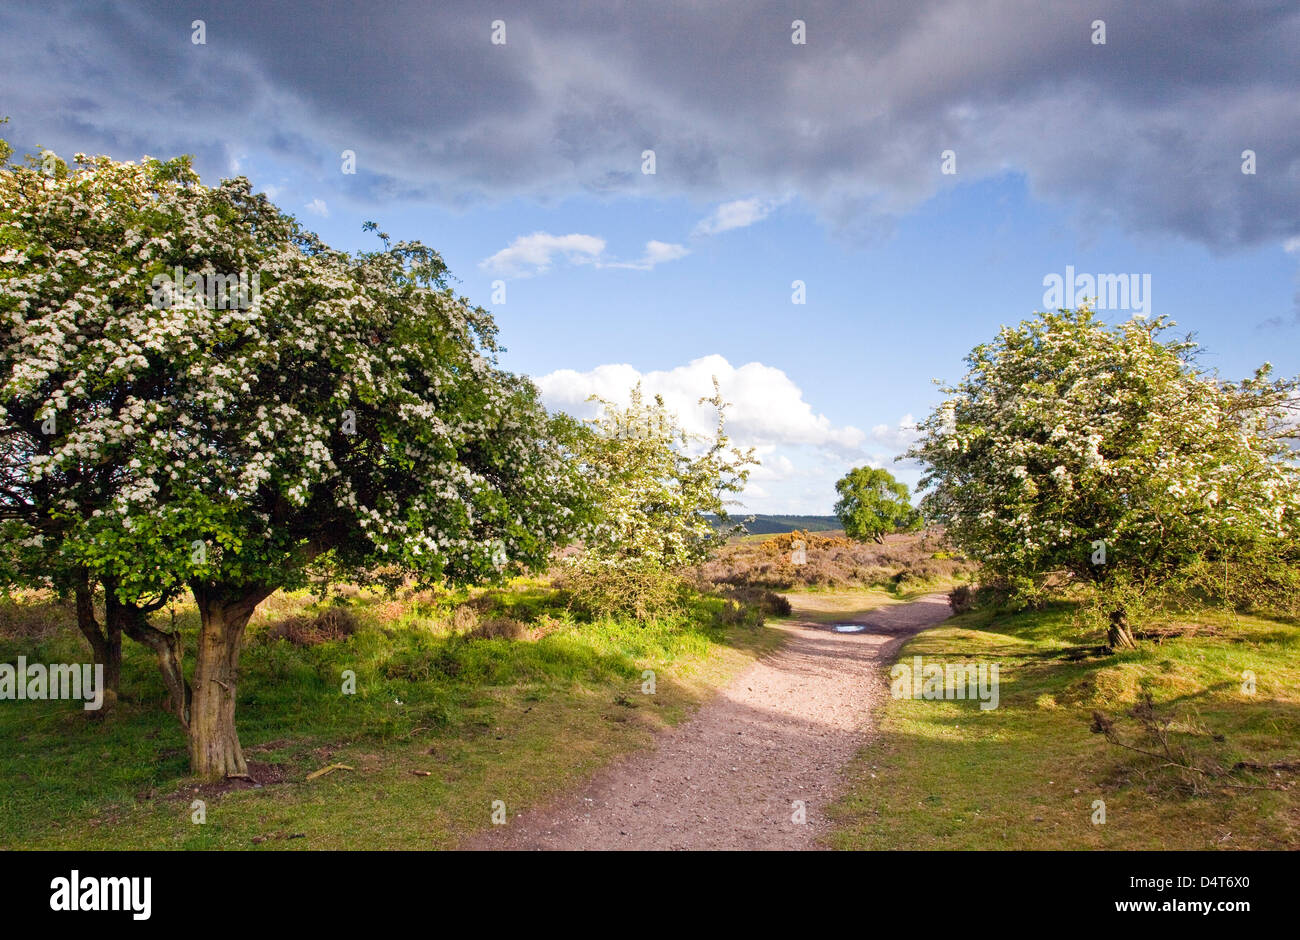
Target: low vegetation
column 758, row 524
column 901, row 563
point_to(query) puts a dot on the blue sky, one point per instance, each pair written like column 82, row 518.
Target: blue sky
column 824, row 161
column 881, row 319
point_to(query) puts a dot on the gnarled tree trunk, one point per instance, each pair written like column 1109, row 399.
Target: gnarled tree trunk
column 214, row 743
column 105, row 642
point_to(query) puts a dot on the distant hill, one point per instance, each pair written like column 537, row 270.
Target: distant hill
column 771, row 525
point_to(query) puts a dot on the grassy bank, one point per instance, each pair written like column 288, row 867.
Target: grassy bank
column 459, row 702
column 1025, row 775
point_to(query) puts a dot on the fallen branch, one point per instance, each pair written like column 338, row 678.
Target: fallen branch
column 330, row 769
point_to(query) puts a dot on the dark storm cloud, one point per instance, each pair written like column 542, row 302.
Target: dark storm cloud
column 1146, row 131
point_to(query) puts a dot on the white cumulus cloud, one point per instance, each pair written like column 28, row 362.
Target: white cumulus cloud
column 767, row 406
column 535, row 253
column 738, row 214
column 656, row 252
column 802, row 451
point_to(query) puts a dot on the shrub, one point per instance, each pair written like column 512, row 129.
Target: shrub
column 748, row 605
column 498, row 628
column 333, row 623
column 642, row 591
column 465, row 618
column 966, row 597
column 961, row 598
column 34, row 616
column 1251, row 582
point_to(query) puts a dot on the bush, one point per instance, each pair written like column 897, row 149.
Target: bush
column 333, row 623
column 961, row 598
column 498, row 628
column 1257, row 583
column 965, row 597
column 747, row 605
column 35, row 616
column 643, row 591
column 465, row 618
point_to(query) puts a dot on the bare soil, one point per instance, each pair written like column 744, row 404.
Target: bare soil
column 732, row 776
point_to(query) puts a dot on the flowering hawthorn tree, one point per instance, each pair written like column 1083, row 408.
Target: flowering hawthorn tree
column 337, row 413
column 655, row 484
column 1106, row 453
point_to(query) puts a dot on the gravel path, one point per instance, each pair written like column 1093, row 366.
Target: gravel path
column 728, row 778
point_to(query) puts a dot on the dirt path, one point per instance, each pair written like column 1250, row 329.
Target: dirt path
column 729, row 777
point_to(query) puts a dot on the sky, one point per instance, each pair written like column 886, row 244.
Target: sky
column 915, row 173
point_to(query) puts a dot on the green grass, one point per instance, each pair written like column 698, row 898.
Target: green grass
column 487, row 719
column 947, row 775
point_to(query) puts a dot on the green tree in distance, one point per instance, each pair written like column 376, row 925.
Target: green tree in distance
column 873, row 504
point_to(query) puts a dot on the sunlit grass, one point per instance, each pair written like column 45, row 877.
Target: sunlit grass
column 1026, row 775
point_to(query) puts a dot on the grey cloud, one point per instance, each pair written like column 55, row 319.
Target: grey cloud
column 1145, row 131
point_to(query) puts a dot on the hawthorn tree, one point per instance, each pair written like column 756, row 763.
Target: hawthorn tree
column 1105, row 453
column 315, row 412
column 656, row 484
column 873, row 504
column 654, row 487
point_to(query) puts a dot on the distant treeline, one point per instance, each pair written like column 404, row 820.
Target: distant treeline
column 767, row 525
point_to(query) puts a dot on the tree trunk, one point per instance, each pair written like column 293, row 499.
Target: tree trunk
column 1120, row 636
column 214, row 742
column 105, row 643
column 166, row 646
